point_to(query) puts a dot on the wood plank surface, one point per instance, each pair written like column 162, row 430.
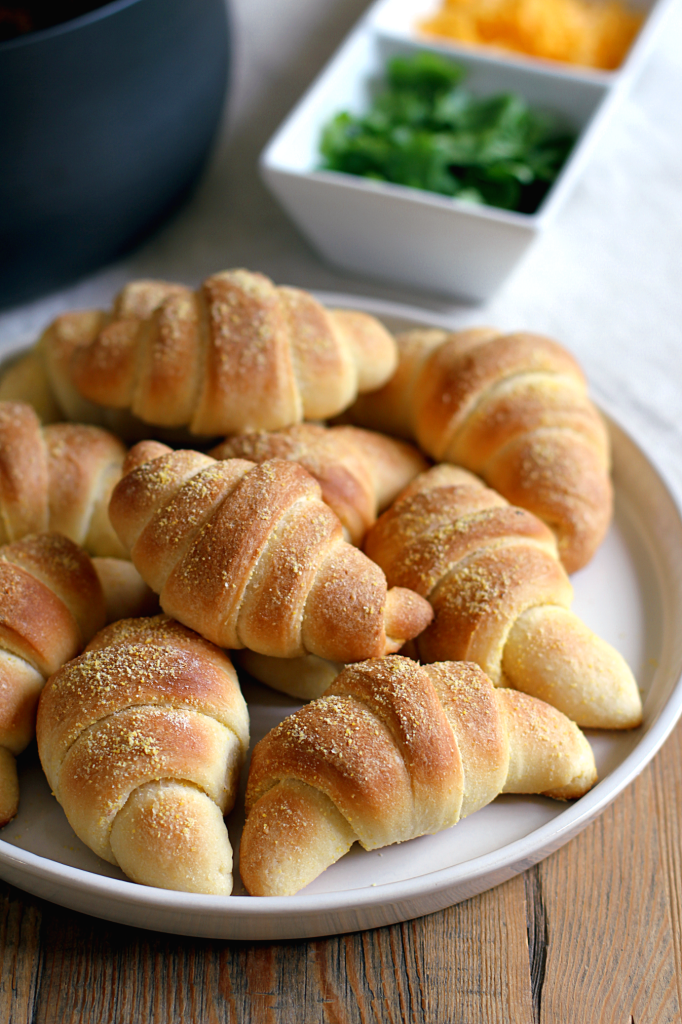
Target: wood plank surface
column 589, row 936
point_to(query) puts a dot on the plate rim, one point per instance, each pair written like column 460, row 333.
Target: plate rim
column 308, row 915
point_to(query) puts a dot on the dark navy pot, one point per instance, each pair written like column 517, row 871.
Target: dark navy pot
column 105, row 124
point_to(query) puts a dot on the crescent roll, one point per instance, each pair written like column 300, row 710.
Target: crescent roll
column 142, row 739
column 500, row 597
column 237, row 354
column 59, row 478
column 359, row 471
column 512, row 408
column 250, row 556
column 392, row 751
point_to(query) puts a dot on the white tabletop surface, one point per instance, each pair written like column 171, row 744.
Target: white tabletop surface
column 605, row 278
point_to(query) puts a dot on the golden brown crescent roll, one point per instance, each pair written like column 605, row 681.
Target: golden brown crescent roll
column 360, row 472
column 53, row 599
column 238, row 354
column 26, row 380
column 512, row 408
column 501, row 597
column 59, row 478
column 394, row 750
column 51, row 604
column 306, row 677
column 142, row 738
column 250, row 556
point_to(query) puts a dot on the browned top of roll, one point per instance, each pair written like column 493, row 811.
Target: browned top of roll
column 237, row 354
column 360, row 472
column 57, row 478
column 480, row 562
column 514, row 409
column 140, row 662
column 51, row 600
column 146, row 703
column 250, row 556
column 401, row 750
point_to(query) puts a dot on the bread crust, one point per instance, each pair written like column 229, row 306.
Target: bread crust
column 391, row 751
column 146, row 724
column 51, row 603
column 250, row 556
column 359, row 472
column 57, row 478
column 514, row 409
column 237, row 354
column 500, row 596
column 53, row 599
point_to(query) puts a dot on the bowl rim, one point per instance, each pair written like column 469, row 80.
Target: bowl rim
column 107, row 10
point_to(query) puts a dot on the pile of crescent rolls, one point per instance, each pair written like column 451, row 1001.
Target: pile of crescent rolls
column 404, row 571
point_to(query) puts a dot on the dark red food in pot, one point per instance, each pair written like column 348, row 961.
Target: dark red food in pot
column 17, row 19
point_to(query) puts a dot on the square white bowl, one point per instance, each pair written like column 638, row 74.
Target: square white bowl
column 400, row 19
column 411, row 237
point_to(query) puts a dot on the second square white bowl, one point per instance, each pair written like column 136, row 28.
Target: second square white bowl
column 408, row 236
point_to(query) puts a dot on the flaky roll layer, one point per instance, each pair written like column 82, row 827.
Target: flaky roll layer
column 238, row 354
column 512, row 408
column 59, row 478
column 51, row 603
column 306, row 677
column 53, row 599
column 250, row 556
column 392, row 751
column 142, row 738
column 359, row 471
column 501, row 597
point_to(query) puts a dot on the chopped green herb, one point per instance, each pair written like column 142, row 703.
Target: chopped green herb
column 427, row 131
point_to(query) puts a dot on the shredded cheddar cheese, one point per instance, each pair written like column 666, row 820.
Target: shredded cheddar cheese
column 594, row 34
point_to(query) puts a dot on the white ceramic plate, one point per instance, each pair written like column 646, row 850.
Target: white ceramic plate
column 631, row 594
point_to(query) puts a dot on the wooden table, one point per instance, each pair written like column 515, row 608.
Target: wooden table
column 592, row 935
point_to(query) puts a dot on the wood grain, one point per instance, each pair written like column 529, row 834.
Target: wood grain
column 589, row 936
column 20, row 956
column 614, row 952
